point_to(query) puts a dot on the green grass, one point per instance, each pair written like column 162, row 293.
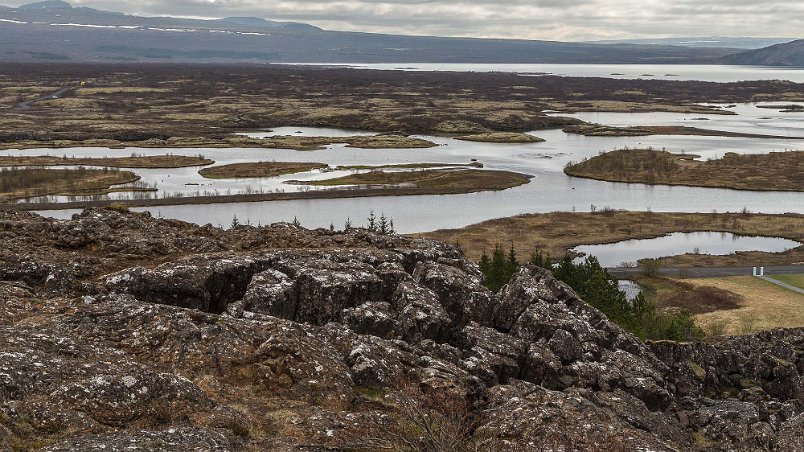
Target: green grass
column 793, row 280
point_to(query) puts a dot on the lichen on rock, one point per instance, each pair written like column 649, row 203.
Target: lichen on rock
column 122, row 329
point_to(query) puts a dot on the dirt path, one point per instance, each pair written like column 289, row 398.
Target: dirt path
column 26, row 105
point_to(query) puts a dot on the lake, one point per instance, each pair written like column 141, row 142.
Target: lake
column 703, row 72
column 551, row 190
column 714, row 243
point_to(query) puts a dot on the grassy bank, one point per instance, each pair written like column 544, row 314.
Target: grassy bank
column 298, row 143
column 556, row 233
column 411, row 166
column 20, row 183
column 597, row 130
column 501, row 137
column 258, row 169
column 151, row 161
column 460, row 180
column 776, row 171
column 444, row 187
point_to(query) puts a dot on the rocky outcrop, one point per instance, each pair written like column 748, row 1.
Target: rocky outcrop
column 124, row 329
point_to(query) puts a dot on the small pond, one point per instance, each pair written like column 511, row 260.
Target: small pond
column 715, row 243
column 631, row 289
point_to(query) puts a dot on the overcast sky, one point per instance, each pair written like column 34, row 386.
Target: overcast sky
column 569, row 20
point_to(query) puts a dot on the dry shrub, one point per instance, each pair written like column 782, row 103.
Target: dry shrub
column 703, row 299
column 427, row 422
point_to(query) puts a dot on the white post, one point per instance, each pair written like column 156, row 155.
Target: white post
column 755, row 272
column 762, row 271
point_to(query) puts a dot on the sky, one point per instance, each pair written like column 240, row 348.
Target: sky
column 561, row 20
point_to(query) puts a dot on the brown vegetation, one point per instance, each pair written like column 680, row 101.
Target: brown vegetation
column 459, row 180
column 597, row 130
column 444, row 185
column 19, row 183
column 258, row 169
column 557, row 233
column 696, row 299
column 299, row 143
column 502, row 137
column 776, row 171
column 142, row 161
column 411, row 166
column 764, row 306
column 135, row 103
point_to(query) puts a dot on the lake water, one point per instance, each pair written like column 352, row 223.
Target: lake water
column 550, row 190
column 709, row 73
column 630, row 288
column 714, row 243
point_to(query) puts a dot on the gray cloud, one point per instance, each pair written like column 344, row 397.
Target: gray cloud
column 527, row 19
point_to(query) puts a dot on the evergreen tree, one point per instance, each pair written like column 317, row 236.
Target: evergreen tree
column 382, row 227
column 538, row 259
column 296, row 222
column 596, row 286
column 348, row 225
column 235, row 221
column 391, row 229
column 499, row 274
column 372, row 222
column 485, row 264
column 512, row 265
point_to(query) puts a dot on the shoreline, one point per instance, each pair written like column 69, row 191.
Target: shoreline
column 243, row 198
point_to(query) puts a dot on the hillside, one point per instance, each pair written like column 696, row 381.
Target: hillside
column 703, row 41
column 119, row 328
column 54, row 31
column 789, row 54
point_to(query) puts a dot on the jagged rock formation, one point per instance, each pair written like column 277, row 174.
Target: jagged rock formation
column 120, row 329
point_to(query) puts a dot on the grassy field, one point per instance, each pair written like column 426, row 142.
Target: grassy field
column 597, row 130
column 151, row 161
column 20, row 183
column 558, row 232
column 299, row 143
column 677, row 293
column 258, row 169
column 763, row 306
column 128, row 103
column 776, row 171
column 793, row 280
column 459, row 180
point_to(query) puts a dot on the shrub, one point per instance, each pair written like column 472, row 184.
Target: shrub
column 118, row 207
column 596, row 286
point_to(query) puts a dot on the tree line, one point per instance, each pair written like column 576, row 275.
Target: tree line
column 596, row 286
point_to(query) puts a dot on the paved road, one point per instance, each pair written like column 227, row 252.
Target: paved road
column 783, row 284
column 26, row 105
column 714, row 272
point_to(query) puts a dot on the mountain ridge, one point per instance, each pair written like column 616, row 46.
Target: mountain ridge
column 789, row 54
column 56, row 31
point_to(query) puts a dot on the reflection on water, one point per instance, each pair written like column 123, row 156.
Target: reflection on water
column 550, row 190
column 715, row 243
column 630, row 288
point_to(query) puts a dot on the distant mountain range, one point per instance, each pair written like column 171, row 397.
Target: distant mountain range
column 704, row 41
column 56, row 31
column 788, row 54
